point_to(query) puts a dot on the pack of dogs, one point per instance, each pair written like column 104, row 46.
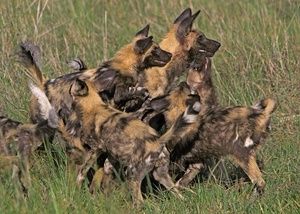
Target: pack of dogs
column 151, row 106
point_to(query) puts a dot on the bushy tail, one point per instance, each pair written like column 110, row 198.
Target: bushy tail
column 30, row 56
column 189, row 116
column 268, row 106
column 77, row 64
column 46, row 109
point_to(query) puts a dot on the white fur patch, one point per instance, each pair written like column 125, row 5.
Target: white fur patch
column 80, row 177
column 148, row 160
column 162, row 155
column 197, row 106
column 189, row 118
column 248, row 142
column 45, row 105
column 52, row 80
column 237, row 135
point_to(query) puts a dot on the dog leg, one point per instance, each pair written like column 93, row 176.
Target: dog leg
column 249, row 165
column 84, row 168
column 108, row 177
column 189, row 175
column 136, row 175
column 161, row 173
column 97, row 180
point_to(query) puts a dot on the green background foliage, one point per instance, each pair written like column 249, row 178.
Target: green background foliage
column 259, row 57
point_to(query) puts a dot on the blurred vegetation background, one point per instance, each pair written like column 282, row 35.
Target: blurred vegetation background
column 259, row 57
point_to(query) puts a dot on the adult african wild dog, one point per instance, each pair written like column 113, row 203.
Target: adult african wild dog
column 124, row 137
column 18, row 141
column 183, row 42
column 236, row 131
column 116, row 75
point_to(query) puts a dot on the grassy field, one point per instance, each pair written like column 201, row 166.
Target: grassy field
column 259, row 57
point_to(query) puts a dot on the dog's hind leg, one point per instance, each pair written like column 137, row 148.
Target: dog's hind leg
column 193, row 170
column 251, row 168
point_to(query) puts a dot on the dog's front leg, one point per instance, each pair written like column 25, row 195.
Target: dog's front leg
column 161, row 173
column 90, row 159
column 189, row 175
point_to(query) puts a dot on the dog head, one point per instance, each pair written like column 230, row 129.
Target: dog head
column 174, row 103
column 199, row 73
column 141, row 53
column 182, row 34
column 200, row 81
column 85, row 93
column 26, row 138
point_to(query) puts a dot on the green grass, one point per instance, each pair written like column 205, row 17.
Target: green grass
column 259, row 57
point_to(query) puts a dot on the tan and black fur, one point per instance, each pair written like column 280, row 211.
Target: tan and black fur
column 236, row 131
column 116, row 76
column 18, row 141
column 183, row 42
column 200, row 81
column 124, row 137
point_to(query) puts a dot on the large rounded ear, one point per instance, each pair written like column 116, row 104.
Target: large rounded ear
column 185, row 14
column 104, row 80
column 160, row 103
column 144, row 32
column 79, row 88
column 185, row 27
column 184, row 87
column 142, row 45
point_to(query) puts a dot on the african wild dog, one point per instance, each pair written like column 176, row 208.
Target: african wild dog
column 116, row 76
column 18, row 141
column 219, row 132
column 183, row 42
column 124, row 137
column 199, row 80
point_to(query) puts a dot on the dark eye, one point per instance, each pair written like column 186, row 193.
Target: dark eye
column 155, row 48
column 200, row 38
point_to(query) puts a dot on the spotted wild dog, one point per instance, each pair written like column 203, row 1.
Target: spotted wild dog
column 18, row 141
column 124, row 137
column 183, row 42
column 236, row 131
column 199, row 80
column 117, row 76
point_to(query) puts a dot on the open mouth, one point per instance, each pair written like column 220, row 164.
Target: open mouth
column 207, row 53
column 160, row 63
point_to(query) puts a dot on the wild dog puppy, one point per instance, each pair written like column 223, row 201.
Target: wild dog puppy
column 200, row 81
column 124, row 137
column 18, row 141
column 183, row 42
column 236, row 131
column 116, row 75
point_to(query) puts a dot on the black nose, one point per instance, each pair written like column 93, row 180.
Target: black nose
column 197, row 67
column 218, row 44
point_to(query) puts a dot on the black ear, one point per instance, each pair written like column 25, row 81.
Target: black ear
column 144, row 32
column 186, row 13
column 79, row 88
column 104, row 80
column 142, row 45
column 185, row 27
column 160, row 103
